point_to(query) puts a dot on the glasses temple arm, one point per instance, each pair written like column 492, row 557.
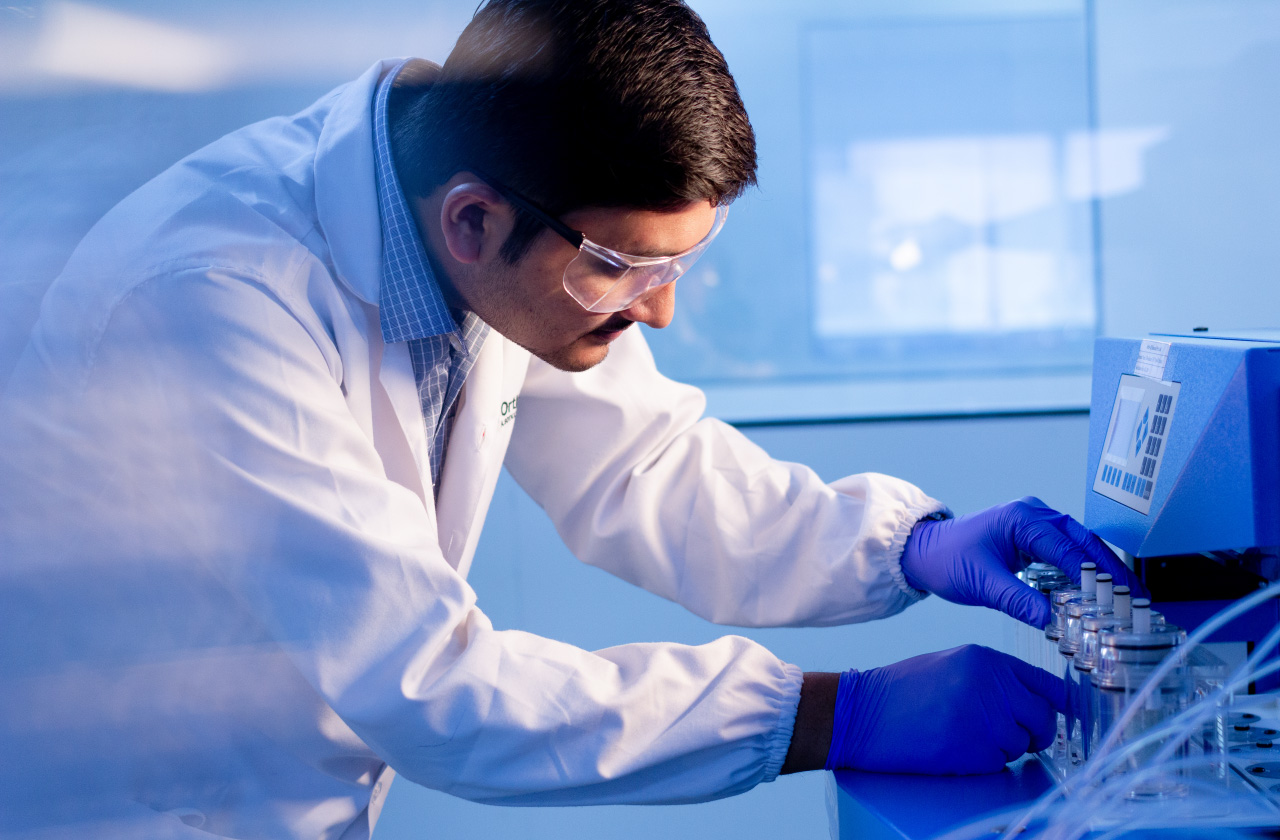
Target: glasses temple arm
column 574, row 237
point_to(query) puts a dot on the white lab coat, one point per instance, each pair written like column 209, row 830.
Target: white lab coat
column 228, row 599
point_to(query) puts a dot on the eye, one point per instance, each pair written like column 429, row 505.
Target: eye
column 613, row 272
column 608, row 269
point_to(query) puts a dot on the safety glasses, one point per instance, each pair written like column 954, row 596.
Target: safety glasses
column 603, row 280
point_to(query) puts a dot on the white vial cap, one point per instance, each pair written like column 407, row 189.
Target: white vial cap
column 1121, row 606
column 1141, row 615
column 1104, row 591
column 1089, row 579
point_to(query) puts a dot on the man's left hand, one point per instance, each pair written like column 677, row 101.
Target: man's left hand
column 974, row 559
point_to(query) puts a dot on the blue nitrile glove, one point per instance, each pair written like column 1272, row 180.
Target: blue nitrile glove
column 973, row 559
column 966, row 710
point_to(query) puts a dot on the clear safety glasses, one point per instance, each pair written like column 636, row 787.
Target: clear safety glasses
column 603, row 280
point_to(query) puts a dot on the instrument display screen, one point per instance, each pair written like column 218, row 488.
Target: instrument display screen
column 1140, row 422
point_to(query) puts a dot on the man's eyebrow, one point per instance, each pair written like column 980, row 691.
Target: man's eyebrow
column 650, row 252
column 643, row 252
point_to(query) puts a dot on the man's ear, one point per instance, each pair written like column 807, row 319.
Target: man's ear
column 475, row 220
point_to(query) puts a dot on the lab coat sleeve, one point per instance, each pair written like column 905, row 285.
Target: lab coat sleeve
column 641, row 485
column 216, row 418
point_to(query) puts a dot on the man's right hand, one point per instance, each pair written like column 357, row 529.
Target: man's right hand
column 961, row 711
column 965, row 710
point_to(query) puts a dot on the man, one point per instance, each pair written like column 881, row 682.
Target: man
column 251, row 442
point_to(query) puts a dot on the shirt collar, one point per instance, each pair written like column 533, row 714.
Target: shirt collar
column 410, row 303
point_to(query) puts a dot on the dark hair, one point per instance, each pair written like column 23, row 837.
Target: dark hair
column 580, row 103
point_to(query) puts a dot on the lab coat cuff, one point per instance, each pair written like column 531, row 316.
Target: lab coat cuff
column 901, row 530
column 789, row 702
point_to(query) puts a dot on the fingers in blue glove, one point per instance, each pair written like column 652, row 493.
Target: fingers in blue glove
column 1105, row 558
column 970, row 560
column 1041, row 683
column 1056, row 538
column 974, row 559
column 1040, row 722
column 1015, row 598
column 1046, row 696
column 961, row 711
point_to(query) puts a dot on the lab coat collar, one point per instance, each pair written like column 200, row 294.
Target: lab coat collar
column 346, row 187
column 346, row 198
column 410, row 301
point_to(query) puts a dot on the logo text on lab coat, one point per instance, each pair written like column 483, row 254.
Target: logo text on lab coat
column 508, row 411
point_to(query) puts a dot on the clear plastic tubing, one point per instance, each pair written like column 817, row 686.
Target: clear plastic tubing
column 1078, row 799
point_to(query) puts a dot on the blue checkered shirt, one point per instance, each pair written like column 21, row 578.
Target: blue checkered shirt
column 412, row 308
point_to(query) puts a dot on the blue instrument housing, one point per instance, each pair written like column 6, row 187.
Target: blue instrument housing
column 1218, row 485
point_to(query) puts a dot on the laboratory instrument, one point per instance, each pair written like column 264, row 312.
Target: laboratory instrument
column 1174, row 717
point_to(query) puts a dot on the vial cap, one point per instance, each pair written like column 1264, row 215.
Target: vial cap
column 1141, row 615
column 1105, row 592
column 1121, row 604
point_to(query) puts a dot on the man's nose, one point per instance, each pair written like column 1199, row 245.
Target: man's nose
column 655, row 308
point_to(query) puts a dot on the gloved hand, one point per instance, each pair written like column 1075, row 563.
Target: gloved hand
column 973, row 559
column 966, row 710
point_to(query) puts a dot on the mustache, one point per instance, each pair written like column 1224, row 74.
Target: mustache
column 615, row 324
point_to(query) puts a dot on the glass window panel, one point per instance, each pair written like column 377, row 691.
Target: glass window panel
column 944, row 221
